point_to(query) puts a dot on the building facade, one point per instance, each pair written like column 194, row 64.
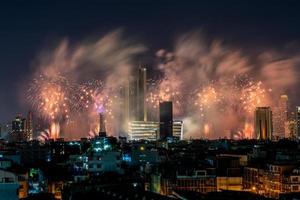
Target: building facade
column 165, row 120
column 263, row 126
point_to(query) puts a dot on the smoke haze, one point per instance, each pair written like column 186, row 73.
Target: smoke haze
column 214, row 87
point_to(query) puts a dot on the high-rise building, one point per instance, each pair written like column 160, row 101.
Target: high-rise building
column 143, row 130
column 178, row 129
column 141, row 94
column 149, row 130
column 165, row 119
column 134, row 99
column 291, row 129
column 102, row 129
column 263, row 126
column 18, row 130
column 297, row 116
column 29, row 126
column 280, row 117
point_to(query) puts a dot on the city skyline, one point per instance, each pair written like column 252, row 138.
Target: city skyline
column 210, row 78
column 235, row 16
column 149, row 100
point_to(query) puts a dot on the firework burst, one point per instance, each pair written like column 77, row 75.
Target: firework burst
column 52, row 97
column 164, row 90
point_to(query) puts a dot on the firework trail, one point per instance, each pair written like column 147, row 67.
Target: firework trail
column 162, row 90
column 95, row 98
column 221, row 87
column 214, row 88
column 62, row 93
column 52, row 97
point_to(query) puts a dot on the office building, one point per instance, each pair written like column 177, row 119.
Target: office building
column 29, row 126
column 143, row 130
column 141, row 94
column 133, row 101
column 280, row 117
column 165, row 119
column 263, row 123
column 147, row 130
column 297, row 116
column 102, row 129
column 178, row 129
column 18, row 130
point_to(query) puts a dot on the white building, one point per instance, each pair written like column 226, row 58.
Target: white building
column 146, row 130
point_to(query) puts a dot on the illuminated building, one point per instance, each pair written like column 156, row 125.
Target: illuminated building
column 199, row 182
column 178, row 129
column 280, row 178
column 165, row 120
column 272, row 181
column 143, row 130
column 29, row 126
column 228, row 172
column 133, row 101
column 298, row 120
column 229, row 183
column 146, row 130
column 280, row 117
column 18, row 124
column 263, row 123
column 291, row 129
column 18, row 130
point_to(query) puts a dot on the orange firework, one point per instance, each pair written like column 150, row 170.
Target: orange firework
column 252, row 96
column 51, row 97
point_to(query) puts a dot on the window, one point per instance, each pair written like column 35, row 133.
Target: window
column 295, row 188
column 295, row 179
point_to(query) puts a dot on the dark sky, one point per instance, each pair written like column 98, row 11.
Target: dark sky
column 26, row 27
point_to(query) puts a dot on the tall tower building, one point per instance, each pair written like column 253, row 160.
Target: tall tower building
column 102, row 129
column 263, row 123
column 165, row 119
column 29, row 126
column 141, row 94
column 280, row 117
column 133, row 102
column 297, row 116
column 18, row 130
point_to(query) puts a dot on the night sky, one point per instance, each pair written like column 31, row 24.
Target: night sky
column 27, row 27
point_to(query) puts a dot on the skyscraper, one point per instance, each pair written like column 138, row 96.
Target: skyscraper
column 134, row 98
column 165, row 119
column 29, row 126
column 18, row 131
column 280, row 117
column 141, row 94
column 298, row 120
column 102, row 129
column 263, row 123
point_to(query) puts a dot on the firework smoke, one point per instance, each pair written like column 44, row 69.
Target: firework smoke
column 214, row 88
column 109, row 59
column 221, row 85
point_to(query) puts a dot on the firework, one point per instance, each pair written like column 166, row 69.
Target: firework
column 163, row 90
column 44, row 135
column 86, row 94
column 51, row 97
column 207, row 98
column 252, row 96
